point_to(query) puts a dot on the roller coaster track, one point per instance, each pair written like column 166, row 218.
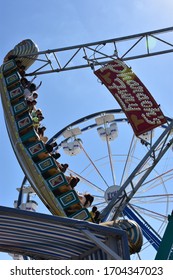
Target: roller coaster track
column 39, row 166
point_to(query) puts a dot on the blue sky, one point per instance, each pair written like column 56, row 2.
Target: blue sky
column 66, row 97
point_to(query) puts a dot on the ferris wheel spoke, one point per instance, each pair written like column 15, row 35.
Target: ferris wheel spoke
column 150, row 212
column 154, row 183
column 92, row 162
column 141, row 218
column 110, row 158
column 139, row 256
column 152, row 215
column 100, row 204
column 128, row 161
column 89, row 183
column 147, row 199
column 158, row 180
column 98, row 197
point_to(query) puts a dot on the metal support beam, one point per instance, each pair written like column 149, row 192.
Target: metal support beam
column 148, row 231
column 101, row 52
column 101, row 245
column 121, row 197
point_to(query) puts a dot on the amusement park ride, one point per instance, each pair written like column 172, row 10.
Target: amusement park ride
column 125, row 226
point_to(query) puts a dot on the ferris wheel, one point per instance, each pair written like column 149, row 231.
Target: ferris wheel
column 108, row 152
column 129, row 176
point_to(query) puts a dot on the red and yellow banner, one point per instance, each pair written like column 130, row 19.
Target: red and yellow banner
column 141, row 109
